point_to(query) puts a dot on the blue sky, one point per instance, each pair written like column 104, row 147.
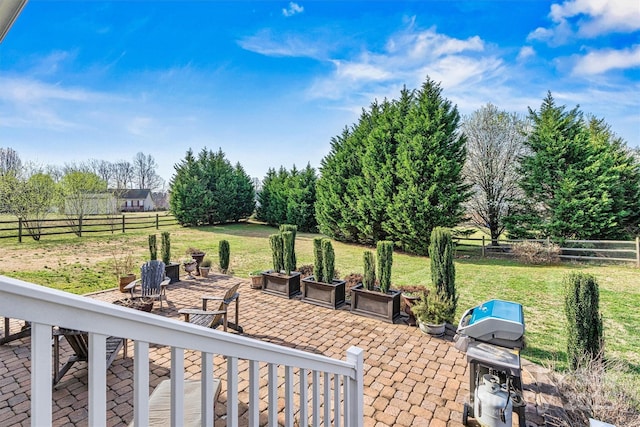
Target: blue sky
column 271, row 82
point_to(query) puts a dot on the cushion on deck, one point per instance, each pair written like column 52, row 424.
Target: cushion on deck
column 160, row 403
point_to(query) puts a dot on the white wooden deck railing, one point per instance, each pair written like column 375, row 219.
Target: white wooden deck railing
column 336, row 387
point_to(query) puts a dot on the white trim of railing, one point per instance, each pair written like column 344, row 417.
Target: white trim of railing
column 45, row 307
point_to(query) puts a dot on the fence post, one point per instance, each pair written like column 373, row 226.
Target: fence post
column 19, row 230
column 483, row 246
column 157, row 222
column 80, row 227
column 638, row 251
column 123, row 226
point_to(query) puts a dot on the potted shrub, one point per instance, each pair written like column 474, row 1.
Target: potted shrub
column 282, row 280
column 323, row 288
column 123, row 269
column 171, row 269
column 153, row 247
column 443, row 271
column 378, row 302
column 256, row 279
column 198, row 256
column 433, row 311
column 205, row 267
column 223, row 255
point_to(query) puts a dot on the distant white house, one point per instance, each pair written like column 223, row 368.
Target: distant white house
column 137, row 200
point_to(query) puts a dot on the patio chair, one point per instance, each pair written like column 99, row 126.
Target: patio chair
column 79, row 342
column 153, row 283
column 214, row 318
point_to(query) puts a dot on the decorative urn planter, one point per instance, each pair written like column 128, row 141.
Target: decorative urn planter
column 190, row 268
column 125, row 280
column 172, row 271
column 375, row 304
column 430, row 329
column 280, row 284
column 331, row 295
column 198, row 257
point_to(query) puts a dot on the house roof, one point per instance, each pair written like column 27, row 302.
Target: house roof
column 136, row 194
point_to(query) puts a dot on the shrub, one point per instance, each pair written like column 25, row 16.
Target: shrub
column 328, row 261
column 223, row 255
column 294, row 230
column 153, row 247
column 369, row 277
column 443, row 271
column 206, row 263
column 317, row 259
column 434, row 308
column 166, row 247
column 288, row 252
column 277, row 255
column 385, row 261
column 536, row 252
column 584, row 322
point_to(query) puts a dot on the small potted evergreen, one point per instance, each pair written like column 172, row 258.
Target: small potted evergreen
column 205, row 267
column 224, row 253
column 370, row 300
column 323, row 288
column 433, row 311
column 282, row 280
column 171, row 269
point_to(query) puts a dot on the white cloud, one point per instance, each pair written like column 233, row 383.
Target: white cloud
column 526, row 52
column 591, row 18
column 601, row 61
column 268, row 44
column 293, row 9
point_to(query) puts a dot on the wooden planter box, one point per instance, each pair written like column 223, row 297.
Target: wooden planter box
column 385, row 307
column 280, row 284
column 329, row 295
column 172, row 271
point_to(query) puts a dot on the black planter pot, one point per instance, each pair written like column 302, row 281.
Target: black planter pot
column 172, row 271
column 331, row 295
column 198, row 257
column 385, row 307
column 280, row 284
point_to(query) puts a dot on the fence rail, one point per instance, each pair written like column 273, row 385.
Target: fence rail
column 18, row 229
column 585, row 250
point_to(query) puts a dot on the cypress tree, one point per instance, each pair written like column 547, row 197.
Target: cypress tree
column 277, row 254
column 224, row 253
column 288, row 239
column 369, row 277
column 153, row 247
column 584, row 321
column 294, row 231
column 328, row 261
column 443, row 271
column 166, row 247
column 318, row 266
column 385, row 261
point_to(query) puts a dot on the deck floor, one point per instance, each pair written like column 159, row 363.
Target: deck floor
column 410, row 379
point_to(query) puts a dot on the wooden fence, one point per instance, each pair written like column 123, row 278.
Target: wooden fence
column 582, row 250
column 89, row 224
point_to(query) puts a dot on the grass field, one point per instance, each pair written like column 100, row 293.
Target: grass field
column 81, row 265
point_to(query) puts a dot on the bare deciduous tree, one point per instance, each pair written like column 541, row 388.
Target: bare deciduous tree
column 144, row 167
column 123, row 174
column 495, row 141
column 9, row 161
column 103, row 169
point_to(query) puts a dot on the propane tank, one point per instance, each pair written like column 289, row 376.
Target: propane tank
column 492, row 405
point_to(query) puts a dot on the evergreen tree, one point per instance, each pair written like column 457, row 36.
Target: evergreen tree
column 430, row 159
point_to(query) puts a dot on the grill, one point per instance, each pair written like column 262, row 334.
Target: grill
column 492, row 335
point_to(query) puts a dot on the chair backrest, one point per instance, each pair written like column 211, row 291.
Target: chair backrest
column 230, row 296
column 151, row 275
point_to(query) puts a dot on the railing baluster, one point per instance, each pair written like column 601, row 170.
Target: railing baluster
column 336, row 400
column 304, row 405
column 254, row 393
column 41, row 413
column 288, row 396
column 140, row 383
column 326, row 399
column 316, row 398
column 273, row 395
column 232, row 392
column 206, row 388
column 355, row 409
column 97, row 380
column 177, row 386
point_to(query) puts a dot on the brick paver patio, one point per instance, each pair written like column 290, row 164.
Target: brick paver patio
column 410, row 379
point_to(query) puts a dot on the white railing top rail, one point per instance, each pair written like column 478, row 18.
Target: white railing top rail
column 34, row 303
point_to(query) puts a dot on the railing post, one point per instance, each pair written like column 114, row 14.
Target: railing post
column 355, row 415
column 41, row 411
column 97, row 380
column 19, row 230
column 638, row 251
column 123, row 225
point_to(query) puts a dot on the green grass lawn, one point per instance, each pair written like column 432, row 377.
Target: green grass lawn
column 81, row 265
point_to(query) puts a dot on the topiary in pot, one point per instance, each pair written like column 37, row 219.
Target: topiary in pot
column 288, row 251
column 283, row 258
column 432, row 311
column 317, row 259
column 369, row 277
column 294, row 230
column 153, row 247
column 443, row 271
column 385, row 261
column 224, row 253
column 328, row 261
column 205, row 267
column 277, row 255
column 166, row 247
